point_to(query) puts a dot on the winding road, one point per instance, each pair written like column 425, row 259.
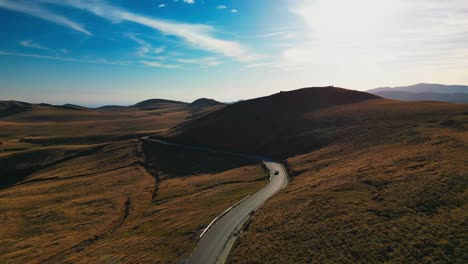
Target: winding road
column 215, row 245
column 217, row 241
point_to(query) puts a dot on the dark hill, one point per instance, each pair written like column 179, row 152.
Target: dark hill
column 204, row 102
column 110, row 107
column 70, row 107
column 65, row 106
column 4, row 104
column 274, row 125
column 153, row 104
column 8, row 108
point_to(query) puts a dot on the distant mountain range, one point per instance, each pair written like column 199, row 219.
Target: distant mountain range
column 151, row 103
column 197, row 108
column 425, row 92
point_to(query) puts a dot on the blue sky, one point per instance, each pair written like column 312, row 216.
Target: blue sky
column 96, row 52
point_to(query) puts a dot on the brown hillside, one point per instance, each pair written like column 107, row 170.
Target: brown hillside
column 392, row 188
column 76, row 186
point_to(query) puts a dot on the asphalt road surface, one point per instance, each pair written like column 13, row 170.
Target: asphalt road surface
column 215, row 245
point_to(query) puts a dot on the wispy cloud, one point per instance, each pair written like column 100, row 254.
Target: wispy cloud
column 38, row 11
column 32, row 45
column 197, row 35
column 145, row 49
column 281, row 34
column 94, row 61
column 202, row 62
column 158, row 64
column 159, row 49
column 161, row 5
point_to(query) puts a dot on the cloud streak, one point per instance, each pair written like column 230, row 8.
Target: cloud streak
column 202, row 62
column 37, row 56
column 145, row 48
column 157, row 64
column 199, row 36
column 32, row 45
column 38, row 11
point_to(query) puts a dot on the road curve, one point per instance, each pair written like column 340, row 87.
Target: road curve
column 216, row 243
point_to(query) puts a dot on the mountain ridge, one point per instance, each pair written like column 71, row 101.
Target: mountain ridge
column 424, row 87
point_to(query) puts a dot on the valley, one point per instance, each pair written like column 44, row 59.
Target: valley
column 371, row 179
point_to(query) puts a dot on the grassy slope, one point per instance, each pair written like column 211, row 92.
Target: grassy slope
column 27, row 133
column 107, row 207
column 45, row 121
column 391, row 188
column 16, row 166
column 272, row 125
column 106, row 202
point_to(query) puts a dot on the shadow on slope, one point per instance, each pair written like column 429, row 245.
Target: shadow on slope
column 17, row 166
column 273, row 125
column 171, row 161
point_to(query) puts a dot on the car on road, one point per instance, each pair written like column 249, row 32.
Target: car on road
column 276, row 173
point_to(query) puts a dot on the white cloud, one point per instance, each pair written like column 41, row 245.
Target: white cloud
column 32, row 45
column 281, row 34
column 159, row 49
column 202, row 62
column 37, row 11
column 199, row 36
column 221, row 7
column 234, row 11
column 146, row 49
column 161, row 5
column 189, row 1
column 158, row 64
column 367, row 42
column 378, row 30
column 94, row 61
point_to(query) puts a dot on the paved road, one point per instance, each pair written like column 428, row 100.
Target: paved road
column 216, row 243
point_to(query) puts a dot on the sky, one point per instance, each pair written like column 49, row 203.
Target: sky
column 97, row 52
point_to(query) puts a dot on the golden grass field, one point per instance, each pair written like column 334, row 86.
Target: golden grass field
column 84, row 189
column 391, row 189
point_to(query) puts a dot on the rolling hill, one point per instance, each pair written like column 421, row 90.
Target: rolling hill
column 273, row 125
column 79, row 185
column 203, row 102
column 37, row 122
column 154, row 104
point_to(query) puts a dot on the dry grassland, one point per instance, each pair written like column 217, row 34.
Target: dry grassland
column 392, row 189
